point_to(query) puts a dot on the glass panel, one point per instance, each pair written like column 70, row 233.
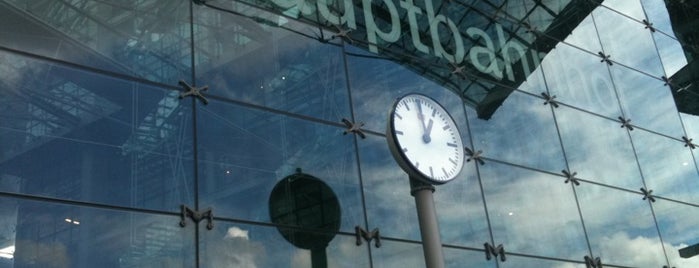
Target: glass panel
column 519, row 216
column 244, row 153
column 148, row 39
column 585, row 84
column 691, row 125
column 269, row 66
column 627, row 42
column 522, row 131
column 631, row 8
column 53, row 235
column 377, row 83
column 658, row 14
column 620, row 227
column 647, row 102
column 389, row 205
column 671, row 54
column 460, row 210
column 458, row 258
column 667, row 166
column 81, row 136
column 398, row 254
column 598, row 149
column 585, row 37
column 523, row 262
column 242, row 245
column 677, row 223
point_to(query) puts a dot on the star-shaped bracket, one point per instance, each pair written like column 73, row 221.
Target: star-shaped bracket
column 353, row 128
column 570, row 177
column 666, row 80
column 625, row 123
column 649, row 26
column 531, row 29
column 343, row 33
column 475, row 156
column 549, row 99
column 605, row 58
column 193, row 91
column 688, row 143
column 648, row 194
column 458, row 70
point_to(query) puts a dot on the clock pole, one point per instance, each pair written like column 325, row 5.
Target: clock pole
column 427, row 218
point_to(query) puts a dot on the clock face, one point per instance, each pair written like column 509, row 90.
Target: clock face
column 424, row 139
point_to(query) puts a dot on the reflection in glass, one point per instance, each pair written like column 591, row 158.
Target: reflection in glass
column 647, row 102
column 52, row 235
column 387, row 192
column 627, row 42
column 620, row 227
column 677, row 224
column 526, row 206
column 460, row 211
column 241, row 245
column 305, row 201
column 522, row 131
column 524, row 262
column 244, row 152
column 585, row 84
column 667, row 166
column 458, row 258
column 246, row 59
column 81, row 136
column 147, row 39
column 598, row 148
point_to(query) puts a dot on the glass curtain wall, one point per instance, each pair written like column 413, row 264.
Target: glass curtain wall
column 250, row 133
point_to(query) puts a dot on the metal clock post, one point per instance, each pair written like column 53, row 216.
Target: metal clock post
column 426, row 143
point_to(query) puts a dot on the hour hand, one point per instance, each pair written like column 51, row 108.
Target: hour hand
column 426, row 136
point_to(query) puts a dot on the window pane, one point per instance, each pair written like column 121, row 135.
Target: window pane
column 667, row 166
column 243, row 245
column 82, row 136
column 598, row 149
column 276, row 67
column 56, row 235
column 677, row 223
column 526, row 206
column 627, row 42
column 243, row 153
column 647, row 102
column 522, row 131
column 620, row 227
column 585, row 84
column 150, row 40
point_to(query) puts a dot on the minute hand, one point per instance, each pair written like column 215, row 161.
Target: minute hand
column 426, row 137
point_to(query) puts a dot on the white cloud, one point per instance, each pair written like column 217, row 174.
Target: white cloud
column 235, row 232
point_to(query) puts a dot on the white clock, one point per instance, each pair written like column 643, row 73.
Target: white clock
column 424, row 139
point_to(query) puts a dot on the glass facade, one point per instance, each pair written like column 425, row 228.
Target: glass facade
column 152, row 133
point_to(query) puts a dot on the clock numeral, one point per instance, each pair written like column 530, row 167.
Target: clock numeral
column 417, row 164
column 445, row 172
column 398, row 132
column 434, row 112
column 431, row 173
column 399, row 117
column 405, row 150
column 446, row 127
column 451, row 144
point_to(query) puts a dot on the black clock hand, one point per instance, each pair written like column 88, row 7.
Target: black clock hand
column 426, row 137
column 421, row 117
